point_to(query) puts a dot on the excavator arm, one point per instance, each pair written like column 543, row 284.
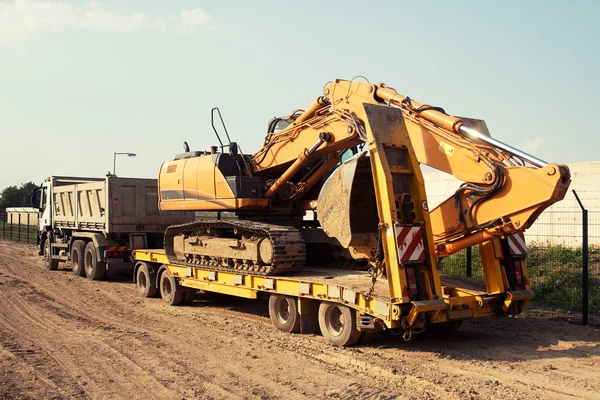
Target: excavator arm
column 505, row 189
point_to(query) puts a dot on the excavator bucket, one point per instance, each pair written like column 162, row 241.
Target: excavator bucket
column 347, row 208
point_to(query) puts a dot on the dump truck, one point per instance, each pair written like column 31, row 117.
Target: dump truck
column 371, row 257
column 96, row 222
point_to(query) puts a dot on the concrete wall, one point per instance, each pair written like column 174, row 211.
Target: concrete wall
column 559, row 224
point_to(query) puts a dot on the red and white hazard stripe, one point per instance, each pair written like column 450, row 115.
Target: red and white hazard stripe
column 516, row 244
column 409, row 240
column 115, row 248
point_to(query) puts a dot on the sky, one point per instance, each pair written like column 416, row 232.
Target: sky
column 80, row 80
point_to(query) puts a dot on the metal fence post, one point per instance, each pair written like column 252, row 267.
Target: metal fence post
column 586, row 273
column 28, row 227
column 469, row 261
column 19, row 229
column 584, row 262
column 11, row 227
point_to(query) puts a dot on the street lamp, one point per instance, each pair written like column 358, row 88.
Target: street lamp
column 115, row 159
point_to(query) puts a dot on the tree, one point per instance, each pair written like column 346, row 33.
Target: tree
column 9, row 197
column 13, row 196
column 26, row 189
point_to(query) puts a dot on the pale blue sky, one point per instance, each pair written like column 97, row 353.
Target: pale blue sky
column 79, row 79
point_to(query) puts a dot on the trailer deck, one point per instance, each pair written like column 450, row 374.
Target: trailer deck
column 463, row 297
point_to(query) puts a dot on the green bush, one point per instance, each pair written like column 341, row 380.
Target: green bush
column 543, row 257
column 456, row 264
column 563, row 290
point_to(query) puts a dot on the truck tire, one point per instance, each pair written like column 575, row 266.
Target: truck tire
column 94, row 269
column 170, row 291
column 50, row 264
column 338, row 324
column 77, row 257
column 283, row 312
column 144, row 281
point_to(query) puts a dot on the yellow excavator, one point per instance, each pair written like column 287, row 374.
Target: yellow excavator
column 352, row 161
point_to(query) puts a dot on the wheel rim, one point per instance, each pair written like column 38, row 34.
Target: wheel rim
column 167, row 288
column 142, row 281
column 75, row 260
column 283, row 310
column 88, row 262
column 47, row 252
column 334, row 321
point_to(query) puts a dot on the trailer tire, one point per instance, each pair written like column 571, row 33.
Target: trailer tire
column 145, row 284
column 94, row 269
column 50, row 264
column 283, row 311
column 77, row 257
column 170, row 291
column 338, row 324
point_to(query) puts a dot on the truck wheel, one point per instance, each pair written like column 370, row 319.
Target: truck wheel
column 145, row 284
column 50, row 264
column 169, row 290
column 77, row 257
column 338, row 324
column 94, row 269
column 283, row 312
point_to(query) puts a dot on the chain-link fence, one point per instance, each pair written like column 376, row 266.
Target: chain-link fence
column 555, row 262
column 18, row 225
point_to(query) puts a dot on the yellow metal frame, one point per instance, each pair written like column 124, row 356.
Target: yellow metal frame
column 459, row 304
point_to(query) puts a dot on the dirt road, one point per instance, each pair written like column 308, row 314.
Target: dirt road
column 62, row 336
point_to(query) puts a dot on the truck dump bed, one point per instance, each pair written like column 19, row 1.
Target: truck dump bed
column 111, row 205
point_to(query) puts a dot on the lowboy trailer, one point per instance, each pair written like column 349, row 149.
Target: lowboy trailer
column 341, row 303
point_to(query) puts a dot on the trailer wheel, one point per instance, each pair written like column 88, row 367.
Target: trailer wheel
column 50, row 264
column 145, row 284
column 283, row 312
column 77, row 257
column 338, row 324
column 169, row 289
column 94, row 269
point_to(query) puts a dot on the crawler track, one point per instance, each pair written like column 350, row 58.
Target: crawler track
column 289, row 251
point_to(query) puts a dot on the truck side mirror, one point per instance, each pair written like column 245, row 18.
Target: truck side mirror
column 35, row 198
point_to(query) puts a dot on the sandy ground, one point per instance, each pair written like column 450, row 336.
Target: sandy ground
column 62, row 336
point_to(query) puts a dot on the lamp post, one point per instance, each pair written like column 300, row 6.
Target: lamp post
column 115, row 159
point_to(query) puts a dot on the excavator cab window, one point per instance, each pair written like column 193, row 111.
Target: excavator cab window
column 351, row 152
column 276, row 125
